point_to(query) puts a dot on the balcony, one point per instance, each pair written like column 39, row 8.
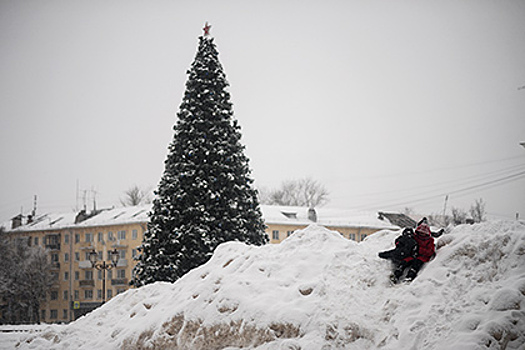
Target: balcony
column 119, row 244
column 55, row 266
column 85, row 264
column 119, row 282
column 52, row 242
column 122, row 263
column 53, row 246
column 87, row 283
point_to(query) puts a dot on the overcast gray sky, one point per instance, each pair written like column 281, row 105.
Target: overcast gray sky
column 389, row 104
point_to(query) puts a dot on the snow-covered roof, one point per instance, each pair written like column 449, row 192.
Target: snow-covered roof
column 276, row 215
column 285, row 215
column 103, row 217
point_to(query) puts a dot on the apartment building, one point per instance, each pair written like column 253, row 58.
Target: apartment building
column 71, row 238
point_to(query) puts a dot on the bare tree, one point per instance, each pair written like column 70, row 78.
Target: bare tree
column 135, row 196
column 25, row 280
column 459, row 216
column 302, row 192
column 477, row 210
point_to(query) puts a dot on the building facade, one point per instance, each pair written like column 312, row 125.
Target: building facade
column 70, row 238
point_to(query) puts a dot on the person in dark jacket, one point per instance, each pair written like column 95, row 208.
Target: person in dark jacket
column 411, row 252
column 406, row 246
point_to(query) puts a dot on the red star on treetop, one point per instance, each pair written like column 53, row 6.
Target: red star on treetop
column 206, row 29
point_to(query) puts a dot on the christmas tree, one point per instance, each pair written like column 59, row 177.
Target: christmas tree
column 206, row 195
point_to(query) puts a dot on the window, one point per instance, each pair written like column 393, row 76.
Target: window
column 133, row 253
column 54, row 295
column 66, row 238
column 109, row 294
column 77, row 238
column 66, row 296
column 66, row 276
column 275, row 234
column 110, row 274
column 53, row 314
column 121, row 273
column 100, row 255
column 100, row 237
column 122, row 254
column 121, row 234
column 86, row 255
column 36, row 240
column 77, row 275
column 352, row 236
column 54, row 257
column 99, row 294
column 110, row 236
column 120, row 290
column 99, row 275
column 77, row 256
column 64, row 314
column 66, row 257
column 89, row 237
column 134, row 234
column 363, row 236
column 88, row 274
column 43, row 314
column 289, row 233
column 76, row 295
column 88, row 294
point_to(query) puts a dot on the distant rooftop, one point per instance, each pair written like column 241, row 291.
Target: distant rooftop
column 103, row 217
column 272, row 214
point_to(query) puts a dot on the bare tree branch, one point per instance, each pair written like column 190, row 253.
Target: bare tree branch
column 135, row 196
column 304, row 192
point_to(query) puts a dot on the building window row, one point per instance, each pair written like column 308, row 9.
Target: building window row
column 89, row 237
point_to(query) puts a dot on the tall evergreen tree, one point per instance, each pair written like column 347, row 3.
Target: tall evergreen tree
column 206, row 195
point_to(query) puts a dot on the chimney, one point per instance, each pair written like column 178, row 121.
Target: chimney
column 81, row 216
column 33, row 213
column 16, row 221
column 312, row 215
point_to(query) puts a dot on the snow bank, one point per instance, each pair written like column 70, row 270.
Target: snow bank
column 317, row 290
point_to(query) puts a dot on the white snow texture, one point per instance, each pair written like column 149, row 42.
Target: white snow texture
column 318, row 290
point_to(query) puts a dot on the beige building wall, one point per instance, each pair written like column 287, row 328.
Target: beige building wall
column 78, row 286
column 279, row 232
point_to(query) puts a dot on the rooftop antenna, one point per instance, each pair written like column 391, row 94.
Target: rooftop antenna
column 78, row 189
column 34, row 206
column 94, row 193
column 84, row 200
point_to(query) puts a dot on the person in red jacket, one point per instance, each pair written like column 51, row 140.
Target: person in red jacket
column 425, row 251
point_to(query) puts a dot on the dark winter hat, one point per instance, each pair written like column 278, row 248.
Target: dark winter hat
column 423, row 229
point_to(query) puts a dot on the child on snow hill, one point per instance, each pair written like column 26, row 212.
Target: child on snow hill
column 412, row 250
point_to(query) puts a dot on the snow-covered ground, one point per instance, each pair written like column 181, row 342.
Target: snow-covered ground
column 317, row 290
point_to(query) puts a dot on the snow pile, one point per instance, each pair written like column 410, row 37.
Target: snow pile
column 317, row 290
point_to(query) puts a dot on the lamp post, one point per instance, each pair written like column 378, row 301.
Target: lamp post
column 103, row 266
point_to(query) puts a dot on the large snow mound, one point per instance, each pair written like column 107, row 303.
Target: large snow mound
column 317, row 290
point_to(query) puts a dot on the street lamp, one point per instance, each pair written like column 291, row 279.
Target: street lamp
column 102, row 266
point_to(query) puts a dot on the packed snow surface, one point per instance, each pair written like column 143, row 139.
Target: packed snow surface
column 318, row 290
